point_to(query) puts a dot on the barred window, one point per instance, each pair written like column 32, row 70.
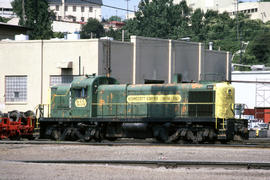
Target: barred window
column 16, row 88
column 56, row 79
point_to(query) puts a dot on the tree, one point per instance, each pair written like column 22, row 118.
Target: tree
column 160, row 18
column 115, row 34
column 37, row 16
column 115, row 18
column 92, row 26
column 260, row 48
column 4, row 20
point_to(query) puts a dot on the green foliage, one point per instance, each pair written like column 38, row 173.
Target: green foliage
column 114, row 18
column 260, row 48
column 92, row 26
column 115, row 34
column 37, row 16
column 163, row 19
column 4, row 20
column 58, row 35
column 160, row 18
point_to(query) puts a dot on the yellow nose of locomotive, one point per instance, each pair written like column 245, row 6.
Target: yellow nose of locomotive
column 225, row 99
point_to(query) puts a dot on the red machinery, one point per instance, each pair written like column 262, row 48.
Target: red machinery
column 15, row 129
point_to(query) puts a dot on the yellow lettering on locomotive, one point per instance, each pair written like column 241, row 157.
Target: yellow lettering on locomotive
column 80, row 103
column 153, row 98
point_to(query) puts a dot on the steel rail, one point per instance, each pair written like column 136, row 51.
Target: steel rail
column 158, row 163
column 245, row 145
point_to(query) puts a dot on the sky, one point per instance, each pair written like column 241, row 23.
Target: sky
column 132, row 4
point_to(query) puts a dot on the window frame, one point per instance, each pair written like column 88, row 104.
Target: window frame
column 12, row 85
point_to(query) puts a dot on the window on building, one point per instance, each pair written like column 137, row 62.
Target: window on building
column 82, row 9
column 82, row 19
column 61, row 79
column 74, row 19
column 57, row 8
column 256, row 9
column 74, row 8
column 16, row 88
column 252, row 10
column 66, row 8
column 90, row 9
column 59, row 18
column 249, row 11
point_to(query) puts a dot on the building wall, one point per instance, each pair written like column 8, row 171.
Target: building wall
column 213, row 67
column 10, row 32
column 70, row 27
column 121, row 60
column 160, row 59
column 256, row 10
column 185, row 60
column 252, row 94
column 90, row 11
column 207, row 4
column 6, row 9
column 150, row 59
column 38, row 60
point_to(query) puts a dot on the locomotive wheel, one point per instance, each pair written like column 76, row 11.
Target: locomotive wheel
column 29, row 114
column 56, row 135
column 14, row 115
column 161, row 134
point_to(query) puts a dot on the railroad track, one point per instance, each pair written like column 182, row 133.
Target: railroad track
column 159, row 163
column 247, row 144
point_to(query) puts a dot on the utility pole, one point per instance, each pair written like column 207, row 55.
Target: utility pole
column 237, row 19
column 23, row 12
column 127, row 8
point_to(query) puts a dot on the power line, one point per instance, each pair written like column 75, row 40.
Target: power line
column 108, row 6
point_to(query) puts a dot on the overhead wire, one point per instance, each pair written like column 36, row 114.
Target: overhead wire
column 108, row 6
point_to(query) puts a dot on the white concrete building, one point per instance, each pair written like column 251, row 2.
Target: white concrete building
column 256, row 10
column 252, row 94
column 76, row 10
column 6, row 9
column 207, row 4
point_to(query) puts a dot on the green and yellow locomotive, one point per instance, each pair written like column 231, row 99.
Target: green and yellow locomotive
column 97, row 107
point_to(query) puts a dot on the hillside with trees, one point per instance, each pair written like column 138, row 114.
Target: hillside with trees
column 163, row 19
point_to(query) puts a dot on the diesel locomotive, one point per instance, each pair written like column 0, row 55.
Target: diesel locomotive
column 98, row 107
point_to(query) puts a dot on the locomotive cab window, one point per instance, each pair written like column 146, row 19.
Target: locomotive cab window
column 80, row 93
column 201, row 103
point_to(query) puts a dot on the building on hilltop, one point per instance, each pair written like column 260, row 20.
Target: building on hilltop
column 76, row 10
column 6, row 9
column 207, row 4
column 256, row 10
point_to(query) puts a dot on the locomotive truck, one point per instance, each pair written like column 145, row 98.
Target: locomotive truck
column 98, row 107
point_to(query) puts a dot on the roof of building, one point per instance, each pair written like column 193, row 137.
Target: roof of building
column 5, row 25
column 97, row 2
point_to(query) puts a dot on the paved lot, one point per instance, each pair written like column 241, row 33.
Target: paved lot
column 17, row 170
